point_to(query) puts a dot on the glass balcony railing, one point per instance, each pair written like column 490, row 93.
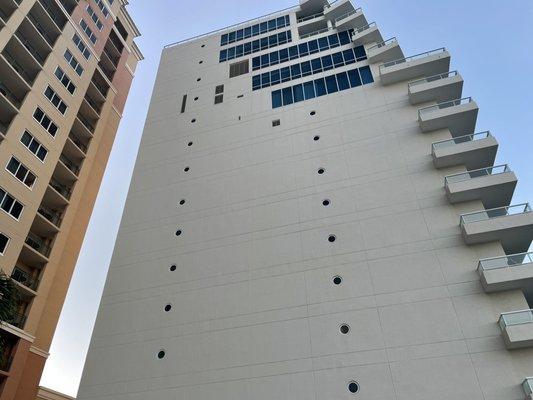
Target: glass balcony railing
column 516, row 318
column 495, row 213
column 382, row 44
column 348, row 14
column 444, row 105
column 310, row 17
column 477, row 173
column 24, row 278
column 412, row 58
column 510, row 261
column 63, row 190
column 317, row 32
column 527, row 385
column 461, row 139
column 364, row 28
column 38, row 244
column 53, row 216
column 433, row 78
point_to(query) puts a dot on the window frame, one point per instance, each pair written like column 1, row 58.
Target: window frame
column 7, row 239
column 39, row 145
column 28, row 172
column 15, row 201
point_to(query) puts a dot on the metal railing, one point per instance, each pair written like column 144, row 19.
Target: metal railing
column 510, row 261
column 69, row 164
column 310, row 17
column 86, row 123
column 527, row 386
column 78, row 143
column 432, row 78
column 317, row 32
column 476, row 173
column 63, row 190
column 100, row 88
column 382, row 44
column 364, row 28
column 114, row 60
column 460, row 139
column 27, row 44
column 38, row 244
column 41, row 29
column 8, row 94
column 412, row 58
column 17, row 67
column 516, row 318
column 24, row 278
column 3, row 129
column 53, row 216
column 52, row 13
column 93, row 104
column 495, row 213
column 348, row 14
column 446, row 104
column 3, row 17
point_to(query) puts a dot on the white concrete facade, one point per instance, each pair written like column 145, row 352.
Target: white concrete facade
column 254, row 310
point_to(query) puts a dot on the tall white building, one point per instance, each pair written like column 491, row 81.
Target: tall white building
column 313, row 215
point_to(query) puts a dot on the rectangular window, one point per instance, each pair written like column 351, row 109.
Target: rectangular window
column 21, row 172
column 65, row 80
column 81, row 47
column 73, row 62
column 34, row 145
column 4, row 241
column 254, row 30
column 10, row 205
column 276, row 99
column 255, row 46
column 55, row 100
column 102, row 7
column 183, row 103
column 95, row 18
column 45, row 121
column 88, row 32
column 219, row 94
column 239, row 68
column 366, row 75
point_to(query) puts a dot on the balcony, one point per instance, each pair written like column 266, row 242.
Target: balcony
column 18, row 320
column 304, row 36
column 24, row 279
column 311, row 23
column 512, row 226
column 319, row 15
column 384, row 51
column 507, row 273
column 38, row 56
column 367, row 34
column 493, row 186
column 473, row 151
column 5, row 365
column 439, row 88
column 75, row 148
column 25, row 67
column 97, row 91
column 459, row 116
column 7, row 8
column 63, row 190
column 69, row 5
column 34, row 39
column 56, row 17
column 338, row 8
column 43, row 22
column 66, row 170
column 9, row 106
column 96, row 107
column 351, row 20
column 53, row 221
column 517, row 329
column 430, row 63
column 38, row 244
column 14, row 80
column 527, row 385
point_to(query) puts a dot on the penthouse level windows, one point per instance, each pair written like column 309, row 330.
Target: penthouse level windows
column 305, row 49
column 255, row 46
column 255, row 30
column 322, row 86
column 314, row 66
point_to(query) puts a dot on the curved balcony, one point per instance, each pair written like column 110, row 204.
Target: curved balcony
column 494, row 186
column 430, row 63
column 473, row 151
column 459, row 116
column 384, row 51
column 512, row 226
column 509, row 272
column 439, row 88
column 517, row 328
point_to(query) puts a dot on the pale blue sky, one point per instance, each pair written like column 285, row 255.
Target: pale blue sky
column 490, row 45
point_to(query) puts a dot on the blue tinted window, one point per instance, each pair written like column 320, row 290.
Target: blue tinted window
column 313, row 46
column 331, row 84
column 355, row 80
column 296, row 71
column 231, row 53
column 223, row 55
column 272, row 41
column 304, row 49
column 309, row 90
column 285, row 74
column 256, row 82
column 231, row 37
column 265, row 79
column 342, row 80
column 263, row 27
column 348, row 56
column 317, row 65
column 306, row 68
column 255, row 30
column 265, row 60
column 247, row 48
column 274, row 58
column 281, row 22
column 323, row 43
column 293, row 52
column 240, row 34
column 327, row 62
column 360, row 53
column 255, row 46
column 283, row 55
column 287, row 96
column 275, row 77
column 344, row 37
column 282, row 37
column 224, row 39
column 320, row 87
column 272, row 25
column 239, row 51
column 276, row 99
column 333, row 41
column 256, row 63
column 248, row 32
column 298, row 93
column 338, row 60
column 366, row 75
column 263, row 43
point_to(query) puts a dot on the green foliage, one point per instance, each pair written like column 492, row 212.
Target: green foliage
column 9, row 297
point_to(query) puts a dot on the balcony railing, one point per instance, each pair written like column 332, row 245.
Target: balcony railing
column 510, row 261
column 100, row 88
column 69, row 164
column 317, row 32
column 446, row 104
column 527, row 385
column 17, row 67
column 516, row 318
column 18, row 320
column 53, row 216
column 348, row 14
column 495, row 213
column 382, row 44
column 412, row 58
column 86, row 123
column 10, row 95
column 38, row 244
column 41, row 30
column 65, row 191
column 27, row 44
column 93, row 104
column 461, row 139
column 24, row 278
column 3, row 128
column 433, row 78
column 52, row 13
column 5, row 363
column 476, row 173
column 310, row 17
column 78, row 143
column 365, row 27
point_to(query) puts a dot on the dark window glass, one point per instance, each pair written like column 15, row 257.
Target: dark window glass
column 282, row 37
column 317, row 65
column 344, row 37
column 355, row 80
column 296, row 72
column 287, row 96
column 313, row 46
column 306, row 68
column 348, row 56
column 285, row 74
column 342, row 79
column 255, row 46
column 46, row 121
column 248, row 32
column 265, row 61
column 239, row 51
column 247, row 48
column 366, row 75
column 7, row 203
column 281, row 22
column 333, row 41
column 256, row 82
column 298, row 93
column 320, row 87
column 276, row 99
column 331, row 84
column 240, row 34
column 264, row 43
column 275, row 77
column 327, row 62
column 231, row 36
column 41, row 153
column 323, row 43
column 3, row 243
column 337, row 59
column 283, row 55
column 274, row 58
column 256, row 63
column 224, row 39
column 38, row 114
column 12, row 165
column 255, row 30
column 293, row 52
column 272, row 25
column 52, row 129
column 265, row 79
column 16, row 210
column 231, row 53
column 26, row 138
column 287, row 20
column 309, row 90
column 263, row 27
column 304, row 49
column 360, row 53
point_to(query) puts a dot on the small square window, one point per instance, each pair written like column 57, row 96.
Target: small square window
column 276, row 122
column 219, row 99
